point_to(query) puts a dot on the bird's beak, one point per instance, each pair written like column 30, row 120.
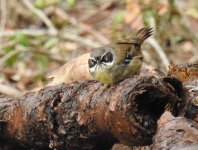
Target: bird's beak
column 98, row 62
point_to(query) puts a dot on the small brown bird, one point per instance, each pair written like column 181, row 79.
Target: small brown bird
column 109, row 64
column 120, row 60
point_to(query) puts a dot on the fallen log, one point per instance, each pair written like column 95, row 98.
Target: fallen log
column 89, row 115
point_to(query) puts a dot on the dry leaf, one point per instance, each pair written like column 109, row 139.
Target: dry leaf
column 75, row 70
column 132, row 10
column 133, row 14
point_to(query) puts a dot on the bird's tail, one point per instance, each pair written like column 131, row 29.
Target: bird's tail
column 143, row 34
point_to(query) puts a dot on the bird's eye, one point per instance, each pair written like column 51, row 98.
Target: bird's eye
column 91, row 63
column 107, row 58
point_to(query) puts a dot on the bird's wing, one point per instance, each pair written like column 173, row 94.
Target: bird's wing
column 133, row 44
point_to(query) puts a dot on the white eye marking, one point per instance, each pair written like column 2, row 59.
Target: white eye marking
column 95, row 64
column 92, row 62
column 108, row 64
column 103, row 55
column 93, row 69
column 93, row 58
column 97, row 67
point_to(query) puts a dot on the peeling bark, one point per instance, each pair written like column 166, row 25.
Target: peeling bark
column 188, row 74
column 175, row 133
column 185, row 72
column 192, row 90
column 89, row 115
column 180, row 132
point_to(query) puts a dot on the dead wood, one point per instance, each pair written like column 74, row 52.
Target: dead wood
column 180, row 132
column 176, row 133
column 184, row 73
column 188, row 74
column 89, row 115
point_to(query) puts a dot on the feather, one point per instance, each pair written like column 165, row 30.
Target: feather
column 141, row 36
column 133, row 46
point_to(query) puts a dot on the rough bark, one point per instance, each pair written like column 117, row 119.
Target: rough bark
column 175, row 133
column 89, row 115
column 180, row 132
column 188, row 75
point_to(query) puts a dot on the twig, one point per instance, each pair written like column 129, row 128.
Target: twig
column 156, row 45
column 2, row 20
column 101, row 9
column 81, row 40
column 51, row 57
column 186, row 26
column 9, row 44
column 42, row 16
column 31, row 32
column 159, row 51
column 41, row 32
column 82, row 26
column 9, row 90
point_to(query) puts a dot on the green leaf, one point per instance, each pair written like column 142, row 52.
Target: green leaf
column 12, row 60
column 40, row 4
column 8, row 49
column 178, row 38
column 42, row 63
column 51, row 43
column 119, row 18
column 148, row 14
column 22, row 39
column 71, row 3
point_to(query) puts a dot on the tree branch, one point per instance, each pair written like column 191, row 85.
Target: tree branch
column 42, row 16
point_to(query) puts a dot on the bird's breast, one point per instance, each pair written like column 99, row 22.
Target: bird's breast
column 104, row 76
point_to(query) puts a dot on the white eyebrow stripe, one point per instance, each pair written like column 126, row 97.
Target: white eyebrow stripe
column 103, row 55
column 92, row 58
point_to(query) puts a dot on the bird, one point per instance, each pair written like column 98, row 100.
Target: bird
column 116, row 61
